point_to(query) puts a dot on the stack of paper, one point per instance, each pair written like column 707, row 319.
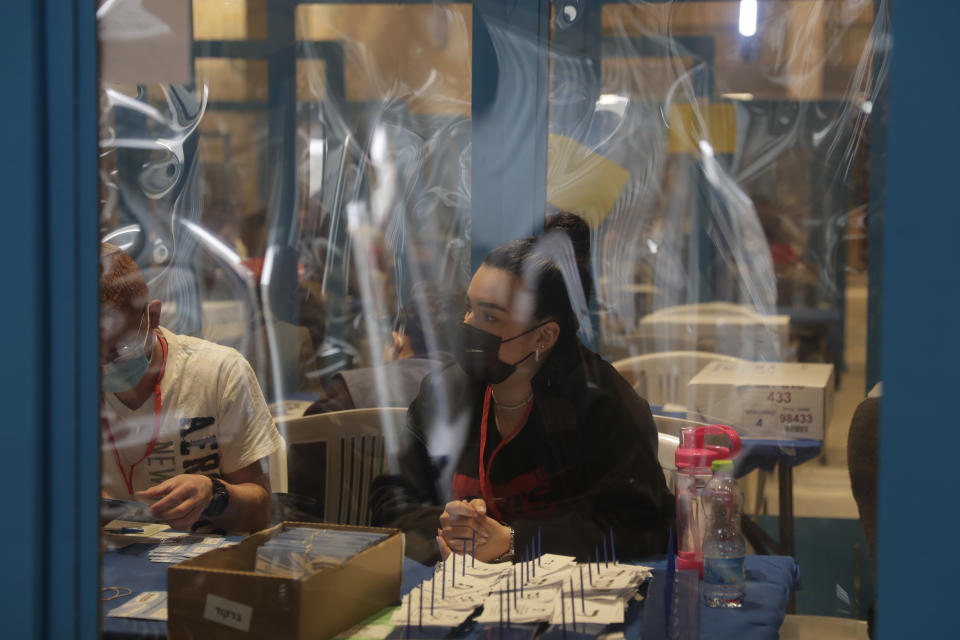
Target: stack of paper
column 149, row 605
column 118, row 534
column 136, row 530
column 546, row 589
column 300, row 551
column 550, row 589
column 458, row 587
column 182, row 547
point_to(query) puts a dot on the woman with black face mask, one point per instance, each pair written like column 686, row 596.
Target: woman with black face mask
column 530, row 438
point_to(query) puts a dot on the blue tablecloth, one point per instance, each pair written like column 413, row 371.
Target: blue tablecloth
column 770, row 580
column 130, row 567
column 765, row 454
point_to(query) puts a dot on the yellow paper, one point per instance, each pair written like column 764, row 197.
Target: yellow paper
column 581, row 181
column 715, row 122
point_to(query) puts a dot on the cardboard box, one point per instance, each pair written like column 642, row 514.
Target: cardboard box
column 218, row 595
column 780, row 400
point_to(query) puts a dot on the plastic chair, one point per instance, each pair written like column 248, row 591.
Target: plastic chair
column 722, row 327
column 662, row 377
column 278, row 468
column 708, row 308
column 672, row 426
column 353, row 446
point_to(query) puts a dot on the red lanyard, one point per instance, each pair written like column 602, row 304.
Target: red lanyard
column 486, row 486
column 128, row 476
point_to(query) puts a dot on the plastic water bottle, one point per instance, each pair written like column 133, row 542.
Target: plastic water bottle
column 694, row 459
column 724, row 580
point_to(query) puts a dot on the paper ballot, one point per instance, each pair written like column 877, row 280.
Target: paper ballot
column 524, row 593
column 149, row 605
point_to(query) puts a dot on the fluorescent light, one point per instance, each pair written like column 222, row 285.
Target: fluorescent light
column 613, row 103
column 611, row 99
column 748, row 17
column 744, row 97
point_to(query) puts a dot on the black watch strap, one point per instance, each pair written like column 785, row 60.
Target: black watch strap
column 221, row 498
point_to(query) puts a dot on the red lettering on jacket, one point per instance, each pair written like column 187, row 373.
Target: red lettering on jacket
column 524, row 495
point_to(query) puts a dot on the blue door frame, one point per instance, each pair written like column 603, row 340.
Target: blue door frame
column 917, row 515
column 48, row 176
column 49, row 182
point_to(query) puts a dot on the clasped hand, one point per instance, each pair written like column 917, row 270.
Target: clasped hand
column 458, row 523
column 180, row 500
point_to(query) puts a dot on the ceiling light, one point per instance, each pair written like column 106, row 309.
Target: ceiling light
column 748, row 17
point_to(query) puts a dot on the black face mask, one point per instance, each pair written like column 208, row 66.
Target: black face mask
column 478, row 354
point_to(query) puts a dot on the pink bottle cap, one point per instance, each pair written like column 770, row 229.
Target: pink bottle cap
column 694, row 453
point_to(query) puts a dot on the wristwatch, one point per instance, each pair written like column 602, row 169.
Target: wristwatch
column 219, row 501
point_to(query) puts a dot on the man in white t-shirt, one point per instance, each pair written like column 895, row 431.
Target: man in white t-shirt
column 184, row 423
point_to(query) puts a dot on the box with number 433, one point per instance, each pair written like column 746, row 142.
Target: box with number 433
column 780, row 400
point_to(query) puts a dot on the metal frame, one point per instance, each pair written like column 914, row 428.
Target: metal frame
column 509, row 121
column 876, row 214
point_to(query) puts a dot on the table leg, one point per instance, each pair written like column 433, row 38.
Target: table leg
column 762, row 542
column 786, row 509
column 759, row 506
column 786, row 520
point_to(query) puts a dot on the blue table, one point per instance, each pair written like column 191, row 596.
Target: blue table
column 784, row 455
column 130, row 567
column 770, row 581
column 765, row 454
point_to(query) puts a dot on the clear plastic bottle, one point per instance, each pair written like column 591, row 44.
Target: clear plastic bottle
column 724, row 580
column 694, row 459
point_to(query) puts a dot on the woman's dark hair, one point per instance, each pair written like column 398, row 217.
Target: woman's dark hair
column 553, row 271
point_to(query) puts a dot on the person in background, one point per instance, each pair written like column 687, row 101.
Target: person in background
column 184, row 423
column 420, row 344
column 547, row 442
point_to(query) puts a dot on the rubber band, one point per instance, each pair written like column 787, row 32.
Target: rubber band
column 118, row 592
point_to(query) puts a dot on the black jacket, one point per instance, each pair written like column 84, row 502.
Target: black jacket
column 583, row 465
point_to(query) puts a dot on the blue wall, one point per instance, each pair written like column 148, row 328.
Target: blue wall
column 917, row 515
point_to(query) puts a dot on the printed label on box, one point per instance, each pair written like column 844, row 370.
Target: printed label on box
column 790, row 411
column 227, row 612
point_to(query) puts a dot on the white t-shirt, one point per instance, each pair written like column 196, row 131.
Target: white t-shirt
column 213, row 419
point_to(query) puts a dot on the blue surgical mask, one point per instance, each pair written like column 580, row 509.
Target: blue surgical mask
column 127, row 369
column 122, row 375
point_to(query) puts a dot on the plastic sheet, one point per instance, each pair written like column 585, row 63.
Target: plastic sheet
column 328, row 183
